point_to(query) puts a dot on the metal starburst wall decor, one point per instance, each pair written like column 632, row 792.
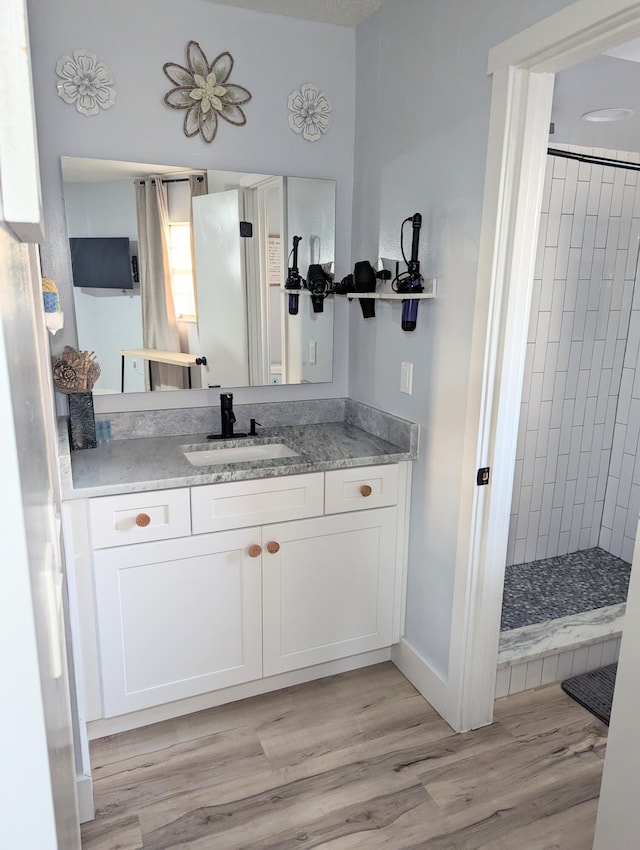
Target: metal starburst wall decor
column 204, row 91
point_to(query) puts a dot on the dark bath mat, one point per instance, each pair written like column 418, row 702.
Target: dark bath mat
column 594, row 690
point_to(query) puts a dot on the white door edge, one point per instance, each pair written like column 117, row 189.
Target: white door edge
column 522, row 94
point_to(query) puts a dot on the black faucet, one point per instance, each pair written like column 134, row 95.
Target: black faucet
column 227, row 419
column 227, row 416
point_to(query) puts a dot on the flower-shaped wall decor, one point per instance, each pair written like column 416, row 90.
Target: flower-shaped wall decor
column 309, row 112
column 204, row 91
column 85, row 82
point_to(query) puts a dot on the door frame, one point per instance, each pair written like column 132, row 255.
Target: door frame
column 523, row 69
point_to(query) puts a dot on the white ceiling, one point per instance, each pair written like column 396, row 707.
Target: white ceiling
column 346, row 13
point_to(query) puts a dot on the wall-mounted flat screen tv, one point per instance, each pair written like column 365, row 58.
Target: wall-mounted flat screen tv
column 101, row 262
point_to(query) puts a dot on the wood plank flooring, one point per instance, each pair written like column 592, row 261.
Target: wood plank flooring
column 353, row 761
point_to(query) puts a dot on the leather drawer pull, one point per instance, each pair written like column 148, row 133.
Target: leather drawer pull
column 366, row 490
column 254, row 550
column 143, row 520
column 273, row 547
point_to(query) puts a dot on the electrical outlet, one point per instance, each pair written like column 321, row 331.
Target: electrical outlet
column 406, row 378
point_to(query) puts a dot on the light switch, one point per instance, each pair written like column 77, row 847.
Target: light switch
column 313, row 352
column 406, row 378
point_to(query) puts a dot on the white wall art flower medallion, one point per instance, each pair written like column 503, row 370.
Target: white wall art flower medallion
column 85, row 82
column 204, row 91
column 309, row 112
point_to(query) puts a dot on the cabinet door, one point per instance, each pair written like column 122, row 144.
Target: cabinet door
column 328, row 589
column 177, row 618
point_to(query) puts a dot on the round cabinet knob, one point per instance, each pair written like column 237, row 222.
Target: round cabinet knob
column 143, row 520
column 366, row 490
column 254, row 550
column 273, row 547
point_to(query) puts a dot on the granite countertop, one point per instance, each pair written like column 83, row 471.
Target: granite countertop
column 158, row 462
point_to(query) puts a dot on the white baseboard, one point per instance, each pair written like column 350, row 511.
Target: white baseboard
column 84, row 788
column 421, row 675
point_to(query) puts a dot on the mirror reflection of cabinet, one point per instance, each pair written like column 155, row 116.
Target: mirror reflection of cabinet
column 238, row 319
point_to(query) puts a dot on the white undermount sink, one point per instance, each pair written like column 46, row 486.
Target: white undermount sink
column 208, row 456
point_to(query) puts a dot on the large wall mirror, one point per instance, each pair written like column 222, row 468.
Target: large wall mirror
column 203, row 305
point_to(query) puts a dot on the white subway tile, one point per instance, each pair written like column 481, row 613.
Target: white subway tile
column 557, row 304
column 609, row 652
column 617, row 532
column 603, row 474
column 626, row 219
column 518, row 676
column 619, row 277
column 579, row 665
column 563, row 543
column 522, row 431
column 617, row 450
column 560, row 167
column 584, row 174
column 586, row 535
column 535, row 397
column 502, row 682
column 565, row 665
column 611, row 497
column 543, row 433
column 545, row 510
column 588, row 433
column 589, row 502
column 593, row 199
column 616, row 197
column 572, row 281
column 538, row 484
column 553, row 446
column 548, row 278
column 532, row 536
column 580, row 313
column 626, row 478
column 594, row 656
column 581, row 396
column 611, row 250
column 605, row 538
column 583, row 475
column 628, row 545
column 543, row 546
column 564, row 346
column 625, row 395
column 523, row 514
column 567, row 508
column 610, row 421
column 534, row 674
column 632, row 246
column 586, row 257
column 550, row 372
column 529, row 459
column 542, row 336
column 602, row 225
column 633, row 428
column 534, row 311
column 549, row 670
column 631, row 525
column 518, row 553
column 573, row 369
column 554, row 531
column 566, row 428
column 528, row 363
column 564, row 245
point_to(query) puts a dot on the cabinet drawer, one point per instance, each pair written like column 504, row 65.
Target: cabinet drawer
column 139, row 517
column 361, row 487
column 237, row 504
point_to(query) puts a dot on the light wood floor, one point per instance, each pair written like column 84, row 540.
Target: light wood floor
column 358, row 760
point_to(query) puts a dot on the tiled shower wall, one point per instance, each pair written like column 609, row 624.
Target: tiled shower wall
column 576, row 483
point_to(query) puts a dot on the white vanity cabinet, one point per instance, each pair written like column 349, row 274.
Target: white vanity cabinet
column 189, row 591
column 177, row 618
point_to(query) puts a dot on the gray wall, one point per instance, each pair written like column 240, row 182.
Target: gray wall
column 273, row 55
column 422, row 116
